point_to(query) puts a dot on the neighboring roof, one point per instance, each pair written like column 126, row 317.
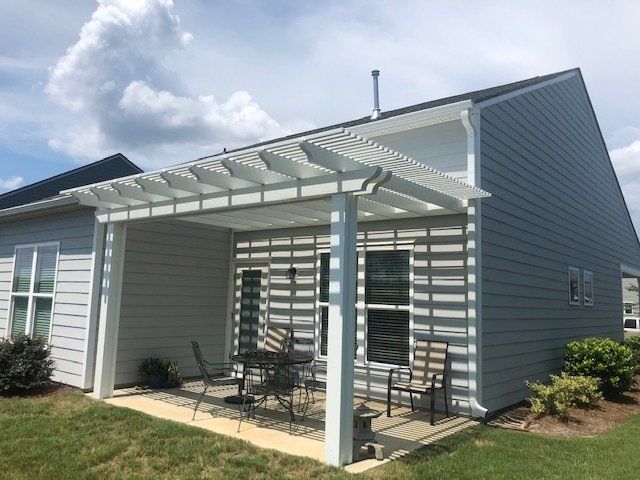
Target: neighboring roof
column 475, row 96
column 108, row 168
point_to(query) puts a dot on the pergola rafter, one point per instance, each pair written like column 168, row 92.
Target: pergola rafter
column 290, row 172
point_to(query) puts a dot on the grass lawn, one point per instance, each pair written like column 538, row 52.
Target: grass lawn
column 66, row 435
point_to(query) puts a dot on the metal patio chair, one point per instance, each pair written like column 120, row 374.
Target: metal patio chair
column 277, row 339
column 427, row 374
column 214, row 375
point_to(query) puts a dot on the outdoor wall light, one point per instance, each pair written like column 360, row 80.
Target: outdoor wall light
column 291, row 273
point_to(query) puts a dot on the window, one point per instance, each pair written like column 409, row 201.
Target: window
column 324, row 305
column 32, row 290
column 387, row 292
column 386, row 304
column 630, row 323
column 574, row 286
column 628, row 308
column 587, row 288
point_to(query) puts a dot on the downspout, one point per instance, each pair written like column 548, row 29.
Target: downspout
column 471, row 121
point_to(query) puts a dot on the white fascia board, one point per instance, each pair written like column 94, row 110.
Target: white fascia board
column 411, row 120
column 38, row 206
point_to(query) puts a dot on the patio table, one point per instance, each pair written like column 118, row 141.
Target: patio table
column 269, row 361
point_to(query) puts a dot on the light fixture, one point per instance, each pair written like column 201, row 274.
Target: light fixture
column 291, row 273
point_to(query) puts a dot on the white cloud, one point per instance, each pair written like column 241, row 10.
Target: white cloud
column 11, row 183
column 114, row 81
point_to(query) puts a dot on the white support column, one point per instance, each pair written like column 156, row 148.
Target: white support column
column 113, row 264
column 340, row 352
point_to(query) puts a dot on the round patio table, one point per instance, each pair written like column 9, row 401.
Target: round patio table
column 263, row 359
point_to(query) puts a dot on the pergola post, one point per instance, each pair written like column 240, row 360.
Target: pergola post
column 340, row 349
column 113, row 264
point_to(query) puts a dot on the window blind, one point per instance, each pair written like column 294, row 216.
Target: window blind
column 46, row 269
column 22, row 270
column 388, row 336
column 387, row 277
column 42, row 317
column 19, row 315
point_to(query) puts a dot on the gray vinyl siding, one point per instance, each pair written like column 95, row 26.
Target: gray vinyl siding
column 74, row 230
column 174, row 291
column 555, row 203
column 440, row 288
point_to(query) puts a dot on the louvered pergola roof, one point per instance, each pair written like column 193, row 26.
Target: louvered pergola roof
column 282, row 184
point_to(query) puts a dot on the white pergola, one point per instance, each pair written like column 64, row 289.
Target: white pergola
column 334, row 177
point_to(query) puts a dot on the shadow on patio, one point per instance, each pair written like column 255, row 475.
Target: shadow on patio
column 404, row 432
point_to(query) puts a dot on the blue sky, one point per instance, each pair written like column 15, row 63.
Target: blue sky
column 164, row 83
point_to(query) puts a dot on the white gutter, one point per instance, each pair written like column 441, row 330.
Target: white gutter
column 38, row 206
column 471, row 120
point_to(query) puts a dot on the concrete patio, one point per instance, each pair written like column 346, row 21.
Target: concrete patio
column 404, row 432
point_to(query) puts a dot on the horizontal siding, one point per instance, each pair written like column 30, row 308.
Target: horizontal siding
column 174, row 291
column 555, row 203
column 440, row 288
column 74, row 230
column 442, row 146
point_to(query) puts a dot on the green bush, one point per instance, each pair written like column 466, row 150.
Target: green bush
column 24, row 364
column 564, row 391
column 603, row 358
column 633, row 343
column 161, row 372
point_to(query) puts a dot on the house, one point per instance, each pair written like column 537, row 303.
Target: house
column 492, row 220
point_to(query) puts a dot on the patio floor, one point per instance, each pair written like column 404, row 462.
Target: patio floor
column 404, row 432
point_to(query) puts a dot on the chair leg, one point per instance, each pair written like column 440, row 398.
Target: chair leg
column 199, row 400
column 446, row 401
column 413, row 409
column 433, row 397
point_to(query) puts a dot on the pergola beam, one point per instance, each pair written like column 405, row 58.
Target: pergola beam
column 278, row 163
column 219, row 180
column 180, row 182
column 253, row 174
column 137, row 193
column 161, row 188
column 113, row 197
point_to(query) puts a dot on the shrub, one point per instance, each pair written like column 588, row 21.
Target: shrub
column 161, row 372
column 24, row 364
column 564, row 391
column 602, row 358
column 633, row 343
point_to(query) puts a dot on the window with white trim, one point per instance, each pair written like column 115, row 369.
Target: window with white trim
column 628, row 308
column 386, row 306
column 574, row 286
column 32, row 290
column 587, row 288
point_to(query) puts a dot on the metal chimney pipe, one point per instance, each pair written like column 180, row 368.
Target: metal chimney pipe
column 376, row 101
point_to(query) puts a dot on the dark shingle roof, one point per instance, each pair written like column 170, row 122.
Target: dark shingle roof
column 475, row 96
column 114, row 166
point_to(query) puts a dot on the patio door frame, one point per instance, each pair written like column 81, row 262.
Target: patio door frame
column 238, row 267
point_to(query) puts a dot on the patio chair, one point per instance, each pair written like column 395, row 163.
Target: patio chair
column 214, row 375
column 428, row 374
column 277, row 339
column 277, row 381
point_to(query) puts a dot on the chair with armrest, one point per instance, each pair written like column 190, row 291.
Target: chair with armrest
column 427, row 374
column 214, row 375
column 277, row 339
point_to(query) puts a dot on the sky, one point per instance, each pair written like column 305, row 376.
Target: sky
column 165, row 82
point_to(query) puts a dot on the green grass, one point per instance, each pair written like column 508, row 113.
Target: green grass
column 67, row 435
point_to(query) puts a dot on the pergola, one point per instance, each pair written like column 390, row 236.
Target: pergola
column 333, row 177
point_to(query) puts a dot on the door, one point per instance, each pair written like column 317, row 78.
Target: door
column 250, row 306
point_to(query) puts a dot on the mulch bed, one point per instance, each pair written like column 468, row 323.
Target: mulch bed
column 582, row 422
column 44, row 390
